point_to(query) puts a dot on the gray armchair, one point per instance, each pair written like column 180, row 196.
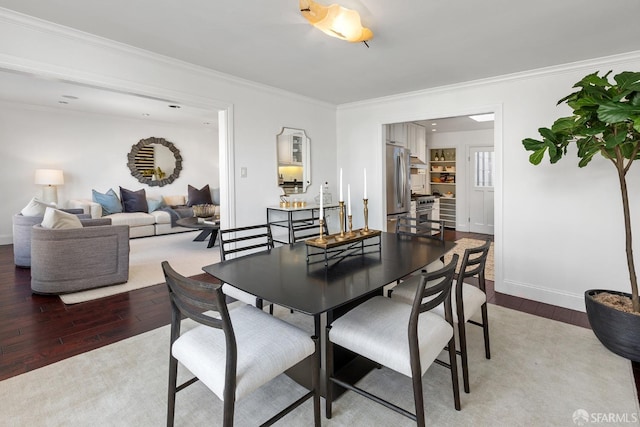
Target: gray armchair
column 70, row 260
column 22, row 226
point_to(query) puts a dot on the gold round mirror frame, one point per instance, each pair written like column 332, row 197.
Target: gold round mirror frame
column 141, row 174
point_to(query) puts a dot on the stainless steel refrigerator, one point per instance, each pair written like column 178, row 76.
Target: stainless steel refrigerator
column 398, row 184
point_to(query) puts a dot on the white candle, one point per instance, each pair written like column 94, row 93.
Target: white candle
column 321, row 211
column 348, row 199
column 365, row 183
column 341, row 196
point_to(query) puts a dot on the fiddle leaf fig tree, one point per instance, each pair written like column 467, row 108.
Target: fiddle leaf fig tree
column 605, row 121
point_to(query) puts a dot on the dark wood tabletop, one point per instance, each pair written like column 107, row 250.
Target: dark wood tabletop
column 283, row 276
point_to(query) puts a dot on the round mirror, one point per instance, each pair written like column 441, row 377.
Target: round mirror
column 154, row 161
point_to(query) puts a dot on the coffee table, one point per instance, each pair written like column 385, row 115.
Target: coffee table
column 209, row 228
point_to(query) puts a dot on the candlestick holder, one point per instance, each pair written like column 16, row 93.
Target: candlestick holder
column 342, row 236
column 350, row 233
column 321, row 238
column 366, row 230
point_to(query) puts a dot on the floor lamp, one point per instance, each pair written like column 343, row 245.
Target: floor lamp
column 49, row 178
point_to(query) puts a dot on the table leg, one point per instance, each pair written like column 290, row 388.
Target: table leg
column 203, row 235
column 212, row 240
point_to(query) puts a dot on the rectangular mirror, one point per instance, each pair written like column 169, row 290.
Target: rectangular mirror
column 294, row 166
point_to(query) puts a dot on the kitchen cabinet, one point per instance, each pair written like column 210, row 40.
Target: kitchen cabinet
column 417, row 141
column 290, row 148
column 397, row 133
column 442, row 180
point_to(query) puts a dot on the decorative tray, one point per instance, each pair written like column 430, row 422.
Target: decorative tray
column 334, row 240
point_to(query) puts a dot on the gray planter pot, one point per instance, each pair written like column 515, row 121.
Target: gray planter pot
column 617, row 331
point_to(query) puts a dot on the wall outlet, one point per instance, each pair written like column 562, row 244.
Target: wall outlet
column 243, row 172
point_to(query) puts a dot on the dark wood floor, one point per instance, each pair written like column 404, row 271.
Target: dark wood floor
column 39, row 330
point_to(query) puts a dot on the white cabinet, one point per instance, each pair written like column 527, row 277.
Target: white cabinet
column 397, row 133
column 290, row 149
column 417, row 141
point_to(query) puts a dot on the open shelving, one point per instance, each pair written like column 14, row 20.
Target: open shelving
column 442, row 179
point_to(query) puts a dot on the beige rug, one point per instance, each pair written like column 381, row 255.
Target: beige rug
column 542, row 372
column 464, row 243
column 146, row 254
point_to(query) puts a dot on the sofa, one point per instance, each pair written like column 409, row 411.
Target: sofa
column 141, row 224
column 71, row 260
column 22, row 226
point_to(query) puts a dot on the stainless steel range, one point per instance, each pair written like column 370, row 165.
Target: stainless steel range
column 424, row 207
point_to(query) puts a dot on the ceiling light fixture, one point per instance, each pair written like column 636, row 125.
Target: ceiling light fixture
column 483, row 117
column 336, row 21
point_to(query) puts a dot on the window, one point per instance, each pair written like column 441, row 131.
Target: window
column 483, row 168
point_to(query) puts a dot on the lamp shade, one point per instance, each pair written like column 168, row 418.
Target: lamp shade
column 49, row 177
column 336, row 21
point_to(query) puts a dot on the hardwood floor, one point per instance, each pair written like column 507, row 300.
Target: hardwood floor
column 39, row 330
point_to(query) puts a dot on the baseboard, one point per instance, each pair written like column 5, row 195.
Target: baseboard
column 544, row 295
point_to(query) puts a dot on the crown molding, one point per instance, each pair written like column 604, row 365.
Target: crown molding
column 523, row 75
column 52, row 29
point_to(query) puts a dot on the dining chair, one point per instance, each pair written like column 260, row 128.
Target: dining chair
column 307, row 228
column 406, row 339
column 429, row 229
column 235, row 352
column 243, row 241
column 466, row 297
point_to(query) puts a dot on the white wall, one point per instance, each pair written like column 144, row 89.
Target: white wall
column 92, row 152
column 255, row 114
column 559, row 228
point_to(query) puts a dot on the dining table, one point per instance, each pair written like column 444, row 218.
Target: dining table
column 287, row 276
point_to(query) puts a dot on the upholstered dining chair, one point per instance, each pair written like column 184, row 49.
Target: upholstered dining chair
column 244, row 241
column 429, row 229
column 467, row 299
column 233, row 352
column 405, row 338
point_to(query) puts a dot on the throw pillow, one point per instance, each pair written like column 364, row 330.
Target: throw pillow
column 56, row 219
column 134, row 201
column 109, row 201
column 173, row 200
column 154, row 204
column 36, row 207
column 199, row 197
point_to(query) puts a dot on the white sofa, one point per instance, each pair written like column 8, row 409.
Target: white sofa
column 140, row 224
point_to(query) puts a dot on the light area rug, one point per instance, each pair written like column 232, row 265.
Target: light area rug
column 541, row 372
column 145, row 255
column 465, row 243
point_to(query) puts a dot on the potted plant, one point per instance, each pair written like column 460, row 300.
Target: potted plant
column 605, row 121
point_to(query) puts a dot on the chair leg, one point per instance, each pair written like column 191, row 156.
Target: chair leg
column 485, row 327
column 416, row 379
column 229, row 407
column 315, row 380
column 171, row 402
column 328, row 386
column 453, row 362
column 462, row 336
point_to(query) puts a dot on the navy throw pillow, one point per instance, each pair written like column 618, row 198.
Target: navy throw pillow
column 199, row 197
column 134, row 201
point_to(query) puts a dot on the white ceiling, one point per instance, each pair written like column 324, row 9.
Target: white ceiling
column 417, row 44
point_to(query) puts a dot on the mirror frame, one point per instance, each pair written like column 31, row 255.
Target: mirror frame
column 306, row 160
column 135, row 149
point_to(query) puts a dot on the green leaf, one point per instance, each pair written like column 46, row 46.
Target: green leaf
column 548, row 134
column 636, row 124
column 593, row 80
column 532, row 144
column 613, row 140
column 628, row 81
column 612, row 112
column 564, row 125
column 536, row 157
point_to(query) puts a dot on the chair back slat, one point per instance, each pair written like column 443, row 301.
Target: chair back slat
column 245, row 240
column 431, row 229
column 192, row 297
column 435, row 287
column 474, row 261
